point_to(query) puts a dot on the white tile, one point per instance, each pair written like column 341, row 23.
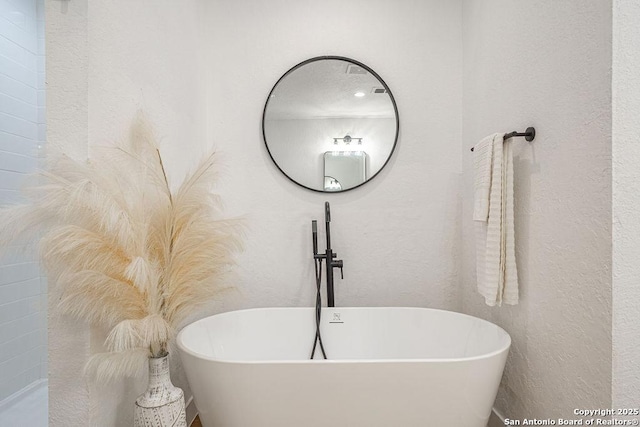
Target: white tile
column 32, row 355
column 10, row 196
column 9, row 385
column 44, row 366
column 42, row 339
column 14, row 22
column 14, row 328
column 41, row 98
column 18, row 108
column 19, row 24
column 6, row 391
column 16, row 17
column 34, row 373
column 30, row 288
column 20, row 290
column 10, row 180
column 21, row 346
column 17, row 71
column 17, row 126
column 19, row 367
column 27, row 7
column 41, row 80
column 40, row 11
column 14, row 51
column 17, row 162
column 43, row 298
column 42, row 115
column 42, row 132
column 12, row 349
column 19, row 380
column 18, row 272
column 40, row 44
column 16, row 254
column 21, row 245
column 23, row 297
column 18, row 90
column 10, row 372
column 15, row 310
column 9, row 293
column 18, row 144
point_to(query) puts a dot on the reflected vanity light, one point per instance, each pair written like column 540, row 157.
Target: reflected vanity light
column 358, row 94
column 347, row 140
column 346, row 153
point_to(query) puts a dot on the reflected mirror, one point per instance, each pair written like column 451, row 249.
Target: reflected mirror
column 330, row 124
column 344, row 169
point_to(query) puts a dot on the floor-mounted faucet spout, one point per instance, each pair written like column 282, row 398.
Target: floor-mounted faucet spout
column 331, row 263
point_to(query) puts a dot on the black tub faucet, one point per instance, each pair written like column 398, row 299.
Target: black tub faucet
column 329, row 256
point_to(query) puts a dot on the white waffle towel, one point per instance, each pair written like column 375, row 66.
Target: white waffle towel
column 496, row 269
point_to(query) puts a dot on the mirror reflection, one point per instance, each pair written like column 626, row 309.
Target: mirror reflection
column 330, row 124
column 344, row 169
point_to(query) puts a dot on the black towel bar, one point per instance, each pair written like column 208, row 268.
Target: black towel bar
column 528, row 134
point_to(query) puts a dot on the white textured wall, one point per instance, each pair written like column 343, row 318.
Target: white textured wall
column 203, row 71
column 106, row 61
column 546, row 64
column 67, row 125
column 398, row 235
column 626, row 203
column 23, row 297
column 145, row 55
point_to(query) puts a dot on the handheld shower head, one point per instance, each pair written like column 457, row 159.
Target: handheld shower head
column 327, row 212
column 314, row 233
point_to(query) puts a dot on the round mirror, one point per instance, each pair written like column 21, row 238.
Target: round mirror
column 330, row 124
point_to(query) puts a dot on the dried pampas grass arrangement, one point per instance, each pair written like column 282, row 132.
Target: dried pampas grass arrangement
column 126, row 251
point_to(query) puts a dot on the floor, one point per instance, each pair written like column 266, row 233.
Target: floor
column 29, row 409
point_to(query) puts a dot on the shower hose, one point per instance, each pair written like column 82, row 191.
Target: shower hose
column 318, row 338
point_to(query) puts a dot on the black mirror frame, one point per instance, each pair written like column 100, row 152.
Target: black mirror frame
column 359, row 64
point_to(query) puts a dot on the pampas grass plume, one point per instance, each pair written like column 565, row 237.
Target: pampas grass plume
column 128, row 253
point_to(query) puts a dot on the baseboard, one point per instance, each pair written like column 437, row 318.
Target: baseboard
column 192, row 411
column 496, row 419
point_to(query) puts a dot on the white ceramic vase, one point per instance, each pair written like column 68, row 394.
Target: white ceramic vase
column 162, row 405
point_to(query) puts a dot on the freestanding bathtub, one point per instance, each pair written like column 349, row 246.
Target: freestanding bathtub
column 387, row 367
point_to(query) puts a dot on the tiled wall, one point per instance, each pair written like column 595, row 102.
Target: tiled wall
column 23, row 293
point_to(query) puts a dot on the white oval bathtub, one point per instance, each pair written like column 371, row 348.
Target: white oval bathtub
column 387, row 367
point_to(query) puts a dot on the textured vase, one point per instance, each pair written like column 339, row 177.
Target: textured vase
column 162, row 405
